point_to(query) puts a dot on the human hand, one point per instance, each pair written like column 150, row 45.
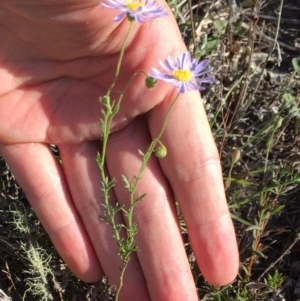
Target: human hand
column 56, row 60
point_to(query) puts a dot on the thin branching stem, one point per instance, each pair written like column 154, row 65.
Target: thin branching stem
column 126, row 247
column 114, row 109
column 146, row 158
column 111, row 111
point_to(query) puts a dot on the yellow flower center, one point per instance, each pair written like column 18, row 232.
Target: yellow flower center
column 182, row 75
column 133, row 5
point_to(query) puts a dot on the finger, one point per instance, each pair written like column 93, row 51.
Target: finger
column 43, row 181
column 192, row 166
column 84, row 178
column 162, row 254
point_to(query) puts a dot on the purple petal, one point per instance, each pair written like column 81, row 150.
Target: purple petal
column 138, row 19
column 182, row 60
column 186, row 61
column 164, row 66
column 205, row 80
column 170, row 64
column 192, row 86
column 181, row 88
column 146, row 12
column 162, row 76
column 201, row 66
column 178, row 62
column 119, row 17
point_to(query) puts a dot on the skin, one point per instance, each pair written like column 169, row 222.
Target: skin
column 56, row 59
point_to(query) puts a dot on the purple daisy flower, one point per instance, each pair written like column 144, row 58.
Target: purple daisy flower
column 184, row 72
column 136, row 10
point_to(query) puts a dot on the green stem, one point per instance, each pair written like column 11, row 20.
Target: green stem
column 120, row 59
column 131, row 80
column 268, row 151
column 145, row 161
column 121, row 281
column 108, row 119
column 146, row 158
column 112, row 110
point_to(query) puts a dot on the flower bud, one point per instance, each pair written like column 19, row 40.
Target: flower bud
column 130, row 18
column 150, row 82
column 161, row 151
column 235, row 156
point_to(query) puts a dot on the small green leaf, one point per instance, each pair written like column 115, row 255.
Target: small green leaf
column 277, row 210
column 238, row 24
column 243, row 182
column 289, row 98
column 278, row 123
column 247, row 3
column 220, row 25
column 260, row 254
column 139, row 198
column 245, row 269
column 209, row 47
column 203, row 42
column 242, row 221
column 252, row 227
column 296, row 64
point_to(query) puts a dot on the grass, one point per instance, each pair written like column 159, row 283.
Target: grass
column 254, row 114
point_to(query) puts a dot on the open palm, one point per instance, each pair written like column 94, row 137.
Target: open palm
column 56, row 59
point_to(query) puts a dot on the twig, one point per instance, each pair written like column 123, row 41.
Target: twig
column 280, row 257
column 4, row 297
column 284, row 45
column 267, row 59
column 228, row 122
column 192, row 25
column 266, row 17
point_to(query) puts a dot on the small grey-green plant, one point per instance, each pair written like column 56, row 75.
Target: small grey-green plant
column 38, row 260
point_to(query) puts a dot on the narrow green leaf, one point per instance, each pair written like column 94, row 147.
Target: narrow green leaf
column 220, row 25
column 252, row 227
column 238, row 24
column 260, row 254
column 296, row 64
column 277, row 210
column 242, row 221
column 289, row 98
column 243, row 182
